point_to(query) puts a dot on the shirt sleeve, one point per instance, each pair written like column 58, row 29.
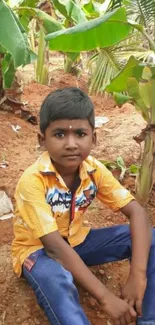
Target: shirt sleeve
column 109, row 190
column 32, row 207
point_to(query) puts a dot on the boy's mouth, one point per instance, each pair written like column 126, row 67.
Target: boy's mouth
column 71, row 156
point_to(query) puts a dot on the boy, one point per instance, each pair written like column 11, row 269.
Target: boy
column 51, row 245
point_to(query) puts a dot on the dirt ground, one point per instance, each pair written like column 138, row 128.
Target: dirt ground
column 17, row 302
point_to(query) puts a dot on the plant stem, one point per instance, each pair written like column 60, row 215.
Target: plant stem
column 150, row 40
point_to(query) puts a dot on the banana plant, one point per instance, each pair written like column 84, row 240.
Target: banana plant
column 74, row 14
column 106, row 60
column 143, row 95
column 139, row 81
column 39, row 24
column 109, row 61
column 142, row 12
column 14, row 48
column 69, row 13
column 103, row 63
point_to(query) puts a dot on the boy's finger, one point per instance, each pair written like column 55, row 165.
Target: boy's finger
column 139, row 307
column 133, row 312
column 131, row 302
column 128, row 318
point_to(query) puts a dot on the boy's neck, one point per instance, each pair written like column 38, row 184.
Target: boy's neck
column 65, row 172
column 70, row 176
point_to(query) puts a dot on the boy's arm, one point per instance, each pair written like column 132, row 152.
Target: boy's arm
column 116, row 197
column 141, row 236
column 64, row 254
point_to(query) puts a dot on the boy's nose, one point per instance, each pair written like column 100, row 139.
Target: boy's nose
column 71, row 143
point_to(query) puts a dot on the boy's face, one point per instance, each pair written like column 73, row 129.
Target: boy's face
column 68, row 142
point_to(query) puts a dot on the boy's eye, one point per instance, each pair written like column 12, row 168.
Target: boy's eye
column 81, row 134
column 59, row 135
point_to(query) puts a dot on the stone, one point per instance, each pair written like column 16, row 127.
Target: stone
column 101, row 271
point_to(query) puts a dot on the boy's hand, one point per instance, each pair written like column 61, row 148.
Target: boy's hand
column 134, row 290
column 118, row 310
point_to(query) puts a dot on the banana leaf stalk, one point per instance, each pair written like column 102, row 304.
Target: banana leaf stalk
column 144, row 180
column 42, row 70
column 143, row 94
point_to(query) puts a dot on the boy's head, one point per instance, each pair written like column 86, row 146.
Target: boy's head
column 67, row 127
column 67, row 103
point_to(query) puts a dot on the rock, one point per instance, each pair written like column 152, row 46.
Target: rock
column 101, row 271
column 109, row 277
column 85, row 222
column 6, row 207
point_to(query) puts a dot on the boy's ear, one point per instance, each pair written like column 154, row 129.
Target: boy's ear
column 94, row 137
column 41, row 140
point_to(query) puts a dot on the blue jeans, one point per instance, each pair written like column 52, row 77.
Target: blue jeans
column 54, row 287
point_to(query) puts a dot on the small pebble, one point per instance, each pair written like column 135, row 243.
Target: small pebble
column 85, row 222
column 101, row 271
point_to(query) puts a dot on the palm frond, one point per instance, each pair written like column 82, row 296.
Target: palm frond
column 115, row 4
column 104, row 67
column 105, row 64
column 142, row 10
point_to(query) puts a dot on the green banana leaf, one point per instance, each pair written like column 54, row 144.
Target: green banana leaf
column 11, row 36
column 2, row 49
column 49, row 23
column 132, row 69
column 91, row 9
column 24, row 20
column 120, row 98
column 71, row 10
column 100, row 32
column 26, row 3
column 95, row 9
column 29, row 3
column 8, row 70
column 119, row 83
column 133, row 88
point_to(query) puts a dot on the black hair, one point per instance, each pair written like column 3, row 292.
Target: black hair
column 67, row 103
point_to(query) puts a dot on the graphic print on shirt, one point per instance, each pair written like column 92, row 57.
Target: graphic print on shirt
column 60, row 200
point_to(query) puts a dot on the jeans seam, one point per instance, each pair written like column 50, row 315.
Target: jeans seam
column 44, row 297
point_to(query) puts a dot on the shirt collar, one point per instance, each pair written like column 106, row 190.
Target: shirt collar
column 46, row 167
